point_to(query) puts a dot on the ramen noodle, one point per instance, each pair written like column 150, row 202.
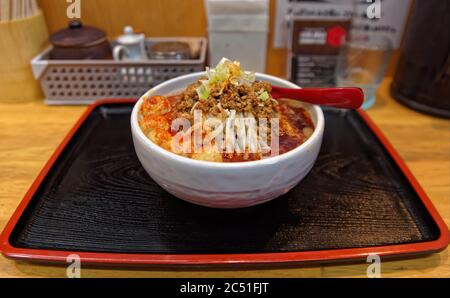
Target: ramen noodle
column 226, row 116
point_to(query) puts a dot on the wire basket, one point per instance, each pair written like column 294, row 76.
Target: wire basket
column 84, row 81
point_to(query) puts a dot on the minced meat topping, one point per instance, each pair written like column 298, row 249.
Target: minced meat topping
column 245, row 98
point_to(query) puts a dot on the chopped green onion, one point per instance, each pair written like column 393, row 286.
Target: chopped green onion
column 264, row 96
column 225, row 71
column 203, row 92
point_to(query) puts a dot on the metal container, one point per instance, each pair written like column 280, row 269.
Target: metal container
column 170, row 50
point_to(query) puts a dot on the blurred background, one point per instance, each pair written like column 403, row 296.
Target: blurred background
column 160, row 18
column 313, row 43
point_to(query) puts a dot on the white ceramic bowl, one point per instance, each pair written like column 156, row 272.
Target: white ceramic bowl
column 226, row 185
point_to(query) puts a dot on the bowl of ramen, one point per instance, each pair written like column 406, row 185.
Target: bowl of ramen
column 218, row 139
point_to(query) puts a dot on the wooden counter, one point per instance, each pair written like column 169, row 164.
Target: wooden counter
column 30, row 132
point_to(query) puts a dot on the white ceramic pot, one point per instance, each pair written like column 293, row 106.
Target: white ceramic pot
column 226, row 185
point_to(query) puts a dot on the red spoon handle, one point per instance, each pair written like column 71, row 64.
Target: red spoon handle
column 345, row 97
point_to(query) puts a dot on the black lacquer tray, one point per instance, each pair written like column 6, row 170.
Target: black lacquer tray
column 94, row 199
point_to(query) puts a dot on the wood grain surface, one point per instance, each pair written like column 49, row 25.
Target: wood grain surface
column 30, row 132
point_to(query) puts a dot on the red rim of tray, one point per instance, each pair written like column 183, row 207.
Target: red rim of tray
column 217, row 259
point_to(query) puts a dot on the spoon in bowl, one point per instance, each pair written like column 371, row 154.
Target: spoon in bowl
column 342, row 97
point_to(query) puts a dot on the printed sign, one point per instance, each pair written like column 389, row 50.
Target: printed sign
column 393, row 15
